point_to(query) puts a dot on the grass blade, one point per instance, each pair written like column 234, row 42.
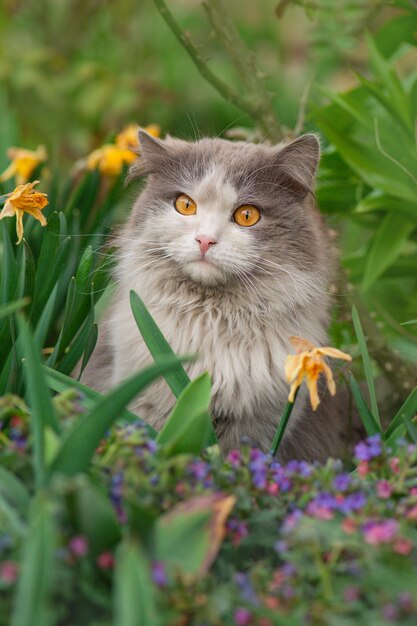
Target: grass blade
column 12, row 307
column 42, row 409
column 87, row 433
column 157, row 344
column 33, row 594
column 134, row 603
column 407, row 410
column 412, row 430
column 367, row 365
column 368, row 420
column 60, row 382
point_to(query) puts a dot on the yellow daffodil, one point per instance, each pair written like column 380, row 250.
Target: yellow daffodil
column 309, row 363
column 128, row 138
column 23, row 163
column 109, row 159
column 25, row 200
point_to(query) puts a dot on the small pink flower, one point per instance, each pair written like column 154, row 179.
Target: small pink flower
column 383, row 489
column 403, row 546
column 376, row 533
column 349, row 525
column 273, row 488
column 79, row 545
column 351, row 594
column 242, row 617
column 394, row 464
column 413, row 491
column 105, row 560
column 363, row 469
column 8, row 572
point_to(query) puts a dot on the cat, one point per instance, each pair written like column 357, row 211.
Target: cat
column 227, row 249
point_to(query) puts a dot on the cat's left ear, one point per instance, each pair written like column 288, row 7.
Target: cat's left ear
column 299, row 160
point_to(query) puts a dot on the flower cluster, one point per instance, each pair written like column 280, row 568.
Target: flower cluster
column 110, row 158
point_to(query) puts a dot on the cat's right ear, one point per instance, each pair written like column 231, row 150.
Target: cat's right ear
column 151, row 150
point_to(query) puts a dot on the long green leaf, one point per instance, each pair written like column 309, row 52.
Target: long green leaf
column 134, row 602
column 33, row 597
column 42, row 409
column 61, row 382
column 407, row 410
column 156, row 343
column 387, row 244
column 8, row 309
column 412, row 430
column 87, row 433
column 368, row 420
column 366, row 364
column 14, row 491
column 189, row 427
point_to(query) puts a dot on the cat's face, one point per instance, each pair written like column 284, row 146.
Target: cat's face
column 219, row 212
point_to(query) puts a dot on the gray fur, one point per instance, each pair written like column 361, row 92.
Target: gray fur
column 266, row 283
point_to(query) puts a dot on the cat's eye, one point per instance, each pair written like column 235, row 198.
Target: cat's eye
column 247, row 215
column 185, row 205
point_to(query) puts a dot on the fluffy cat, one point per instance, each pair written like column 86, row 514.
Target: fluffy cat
column 227, row 250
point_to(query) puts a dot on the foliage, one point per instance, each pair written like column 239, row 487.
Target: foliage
column 144, row 535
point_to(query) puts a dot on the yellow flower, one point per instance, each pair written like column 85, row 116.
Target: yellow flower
column 109, row 159
column 23, row 163
column 309, row 363
column 128, row 138
column 24, row 200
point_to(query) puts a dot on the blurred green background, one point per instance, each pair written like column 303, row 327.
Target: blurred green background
column 75, row 71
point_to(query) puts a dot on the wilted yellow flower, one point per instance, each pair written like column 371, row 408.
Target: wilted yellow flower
column 109, row 159
column 309, row 363
column 128, row 138
column 23, row 163
column 25, row 200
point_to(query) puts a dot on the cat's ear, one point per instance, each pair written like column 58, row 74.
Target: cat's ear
column 152, row 149
column 299, row 160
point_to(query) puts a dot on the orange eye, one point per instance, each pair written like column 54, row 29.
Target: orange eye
column 247, row 215
column 185, row 205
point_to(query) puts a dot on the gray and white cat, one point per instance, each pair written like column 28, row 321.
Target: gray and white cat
column 227, row 250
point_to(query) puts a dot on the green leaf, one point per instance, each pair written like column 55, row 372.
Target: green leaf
column 14, row 491
column 42, row 409
column 156, row 343
column 412, row 430
column 52, row 259
column 74, row 352
column 407, row 410
column 377, row 201
column 88, row 431
column 34, row 590
column 367, row 365
column 388, row 78
column 189, row 428
column 387, row 244
column 95, row 518
column 188, row 537
column 90, row 344
column 8, row 309
column 61, row 382
column 134, row 602
column 27, row 272
column 368, row 420
column 409, row 323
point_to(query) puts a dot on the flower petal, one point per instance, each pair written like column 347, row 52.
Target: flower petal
column 300, row 344
column 19, row 225
column 7, row 210
column 334, row 353
column 312, row 389
column 331, row 385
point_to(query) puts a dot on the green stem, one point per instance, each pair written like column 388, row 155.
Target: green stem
column 282, row 425
column 259, row 111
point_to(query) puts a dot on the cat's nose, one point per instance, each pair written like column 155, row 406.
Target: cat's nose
column 205, row 242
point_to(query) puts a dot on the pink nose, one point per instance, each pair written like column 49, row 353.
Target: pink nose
column 205, row 242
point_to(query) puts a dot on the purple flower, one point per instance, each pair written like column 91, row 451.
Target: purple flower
column 159, row 575
column 291, row 520
column 390, row 612
column 352, row 502
column 377, row 532
column 234, row 457
column 198, row 469
column 369, row 449
column 79, row 545
column 245, row 586
column 342, row 482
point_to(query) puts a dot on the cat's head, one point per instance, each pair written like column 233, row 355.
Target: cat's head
column 220, row 212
